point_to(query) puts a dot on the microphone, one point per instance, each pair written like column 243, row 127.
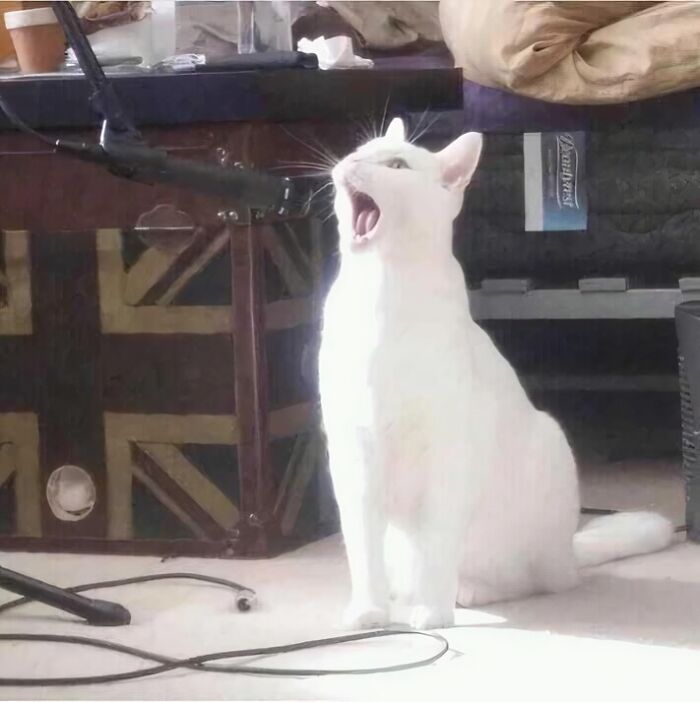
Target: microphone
column 253, row 190
column 95, row 612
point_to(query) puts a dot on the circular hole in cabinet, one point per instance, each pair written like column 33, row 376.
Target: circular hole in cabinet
column 166, row 228
column 71, row 493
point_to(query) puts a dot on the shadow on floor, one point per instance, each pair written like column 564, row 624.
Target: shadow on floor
column 652, row 611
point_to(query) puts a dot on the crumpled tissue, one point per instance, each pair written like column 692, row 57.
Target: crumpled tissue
column 335, row 52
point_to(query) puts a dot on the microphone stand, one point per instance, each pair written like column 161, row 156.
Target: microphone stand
column 124, row 153
column 122, row 150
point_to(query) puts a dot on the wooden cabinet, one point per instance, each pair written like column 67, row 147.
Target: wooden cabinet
column 157, row 355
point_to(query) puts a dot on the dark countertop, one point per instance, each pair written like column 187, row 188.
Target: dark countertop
column 493, row 110
column 62, row 101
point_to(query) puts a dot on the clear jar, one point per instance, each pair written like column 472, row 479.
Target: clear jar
column 221, row 29
column 264, row 26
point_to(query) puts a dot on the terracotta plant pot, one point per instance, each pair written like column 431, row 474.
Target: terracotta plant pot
column 6, row 47
column 38, row 39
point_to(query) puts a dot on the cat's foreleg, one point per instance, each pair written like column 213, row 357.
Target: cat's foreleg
column 363, row 523
column 435, row 576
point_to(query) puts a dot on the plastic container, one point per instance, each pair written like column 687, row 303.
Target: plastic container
column 38, row 39
column 220, row 30
column 264, row 26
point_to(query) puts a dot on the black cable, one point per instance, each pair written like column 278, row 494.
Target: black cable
column 16, row 121
column 199, row 663
column 243, row 593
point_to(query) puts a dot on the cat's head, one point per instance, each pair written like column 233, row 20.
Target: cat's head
column 393, row 196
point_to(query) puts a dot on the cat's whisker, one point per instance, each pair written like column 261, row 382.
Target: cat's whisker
column 419, row 124
column 372, row 128
column 298, row 166
column 365, row 129
column 321, row 170
column 323, row 151
column 325, row 213
column 427, row 128
column 323, row 155
column 386, row 110
column 306, row 163
column 330, row 154
column 322, row 188
column 327, row 209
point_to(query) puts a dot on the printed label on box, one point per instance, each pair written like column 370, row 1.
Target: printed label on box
column 555, row 192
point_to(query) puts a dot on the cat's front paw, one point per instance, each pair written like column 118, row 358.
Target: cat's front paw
column 364, row 615
column 423, row 617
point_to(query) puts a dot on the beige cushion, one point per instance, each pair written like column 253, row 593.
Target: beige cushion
column 576, row 52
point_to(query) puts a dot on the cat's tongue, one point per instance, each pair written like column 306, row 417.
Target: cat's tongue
column 366, row 215
column 366, row 221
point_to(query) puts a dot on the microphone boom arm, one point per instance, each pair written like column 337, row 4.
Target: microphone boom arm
column 105, row 101
column 123, row 152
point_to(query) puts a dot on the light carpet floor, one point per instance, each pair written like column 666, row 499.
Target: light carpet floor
column 631, row 629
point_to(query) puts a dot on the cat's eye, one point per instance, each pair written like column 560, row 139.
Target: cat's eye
column 397, row 163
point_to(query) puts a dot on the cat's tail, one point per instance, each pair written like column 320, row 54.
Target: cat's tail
column 621, row 535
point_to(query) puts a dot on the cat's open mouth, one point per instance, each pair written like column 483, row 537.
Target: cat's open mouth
column 365, row 216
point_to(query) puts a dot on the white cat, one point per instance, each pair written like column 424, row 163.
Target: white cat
column 452, row 487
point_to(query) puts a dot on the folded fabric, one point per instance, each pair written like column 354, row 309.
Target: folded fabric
column 335, row 52
column 576, row 52
column 390, row 25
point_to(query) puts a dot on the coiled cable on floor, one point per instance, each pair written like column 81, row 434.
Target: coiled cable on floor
column 203, row 663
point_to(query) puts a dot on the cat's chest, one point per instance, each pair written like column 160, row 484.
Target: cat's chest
column 386, row 346
column 367, row 309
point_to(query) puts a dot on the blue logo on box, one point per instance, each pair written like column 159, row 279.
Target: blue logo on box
column 555, row 193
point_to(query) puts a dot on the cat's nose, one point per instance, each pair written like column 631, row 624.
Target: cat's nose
column 345, row 172
column 342, row 168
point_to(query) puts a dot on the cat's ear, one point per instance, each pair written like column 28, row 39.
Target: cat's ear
column 459, row 160
column 396, row 130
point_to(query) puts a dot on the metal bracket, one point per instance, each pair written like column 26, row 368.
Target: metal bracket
column 594, row 299
column 501, row 286
column 603, row 285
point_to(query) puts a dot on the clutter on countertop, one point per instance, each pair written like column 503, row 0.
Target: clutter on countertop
column 100, row 15
column 181, row 62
